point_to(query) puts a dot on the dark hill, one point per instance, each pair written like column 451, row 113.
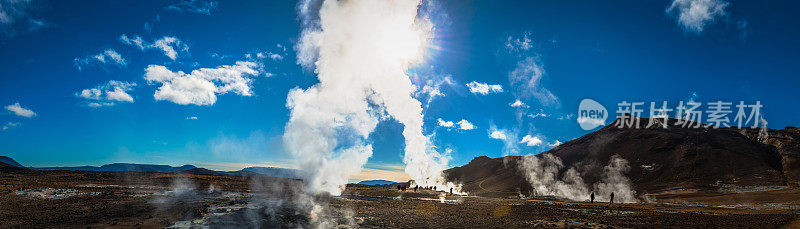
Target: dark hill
column 660, row 159
column 7, row 168
column 9, row 161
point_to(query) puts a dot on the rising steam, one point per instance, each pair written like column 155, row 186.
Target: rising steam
column 544, row 174
column 360, row 51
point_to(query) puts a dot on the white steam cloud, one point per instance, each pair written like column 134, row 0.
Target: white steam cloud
column 360, row 50
column 544, row 173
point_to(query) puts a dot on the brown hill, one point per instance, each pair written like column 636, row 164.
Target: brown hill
column 660, row 159
column 7, row 168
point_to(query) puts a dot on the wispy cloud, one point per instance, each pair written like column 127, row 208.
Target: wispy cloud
column 695, row 15
column 109, row 56
column 432, row 84
column 509, row 138
column 20, row 111
column 194, row 6
column 539, row 114
column 10, row 125
column 171, row 46
column 518, row 44
column 16, row 16
column 526, row 79
column 276, row 54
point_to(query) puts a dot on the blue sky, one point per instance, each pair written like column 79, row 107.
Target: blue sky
column 549, row 55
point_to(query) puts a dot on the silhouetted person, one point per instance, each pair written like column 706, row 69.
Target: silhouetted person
column 416, row 188
column 451, row 191
column 592, row 197
column 612, row 198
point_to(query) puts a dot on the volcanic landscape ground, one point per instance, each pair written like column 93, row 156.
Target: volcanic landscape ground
column 69, row 199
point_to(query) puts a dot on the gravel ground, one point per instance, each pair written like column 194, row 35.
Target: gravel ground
column 158, row 200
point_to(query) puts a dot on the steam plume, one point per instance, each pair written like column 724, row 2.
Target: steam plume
column 544, row 174
column 360, row 51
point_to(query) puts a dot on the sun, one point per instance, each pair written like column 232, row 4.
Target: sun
column 403, row 41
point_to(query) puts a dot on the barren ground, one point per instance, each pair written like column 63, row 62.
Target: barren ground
column 65, row 199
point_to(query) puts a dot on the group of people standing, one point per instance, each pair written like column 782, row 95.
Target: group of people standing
column 416, row 188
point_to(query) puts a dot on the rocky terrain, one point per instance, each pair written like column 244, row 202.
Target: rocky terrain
column 89, row 199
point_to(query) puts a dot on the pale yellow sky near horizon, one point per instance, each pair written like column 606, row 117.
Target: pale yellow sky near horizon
column 392, row 172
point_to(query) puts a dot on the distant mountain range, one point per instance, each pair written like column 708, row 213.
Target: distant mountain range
column 125, row 167
column 8, row 164
column 376, row 182
column 276, row 172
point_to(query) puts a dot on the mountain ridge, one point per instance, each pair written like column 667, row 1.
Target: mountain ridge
column 659, row 159
column 10, row 161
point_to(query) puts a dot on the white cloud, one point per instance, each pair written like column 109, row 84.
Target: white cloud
column 518, row 103
column 695, row 15
column 483, row 88
column 109, row 56
column 108, row 94
column 443, row 123
column 531, row 140
column 191, row 118
column 555, row 143
column 526, row 79
column 194, row 6
column 498, row 134
column 591, row 121
column 20, row 111
column 465, row 125
column 201, row 86
column 171, row 46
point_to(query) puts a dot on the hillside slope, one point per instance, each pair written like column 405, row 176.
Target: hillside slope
column 10, row 161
